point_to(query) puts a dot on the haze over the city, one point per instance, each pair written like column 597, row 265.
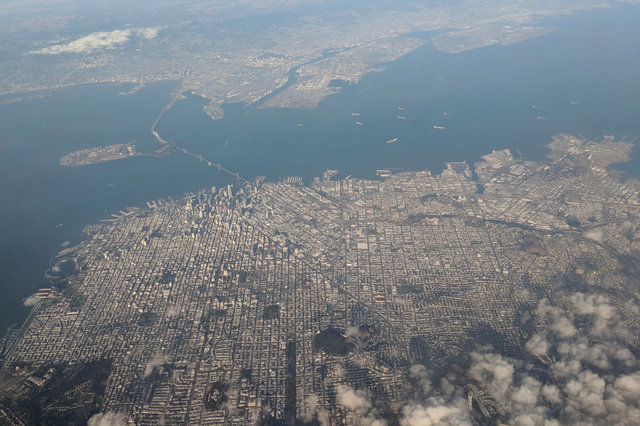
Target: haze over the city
column 319, row 212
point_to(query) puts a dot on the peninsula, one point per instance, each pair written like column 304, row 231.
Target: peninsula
column 266, row 301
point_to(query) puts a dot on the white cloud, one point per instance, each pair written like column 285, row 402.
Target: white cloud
column 436, row 411
column 597, row 306
column 172, row 312
column 358, row 403
column 594, row 235
column 558, row 322
column 538, row 345
column 98, row 40
column 31, row 300
column 594, row 376
column 551, row 393
column 150, row 33
column 353, row 400
column 312, row 410
column 155, row 362
column 351, row 332
column 433, row 405
column 628, row 386
column 110, row 418
column 419, row 374
column 494, row 371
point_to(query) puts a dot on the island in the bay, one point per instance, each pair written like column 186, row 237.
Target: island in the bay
column 503, row 294
column 99, row 154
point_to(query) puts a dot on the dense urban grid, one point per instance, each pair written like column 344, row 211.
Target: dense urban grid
column 334, row 302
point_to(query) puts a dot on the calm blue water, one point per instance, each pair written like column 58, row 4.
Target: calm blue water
column 488, row 93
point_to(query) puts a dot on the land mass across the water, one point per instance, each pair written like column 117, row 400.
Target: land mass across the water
column 266, row 301
column 292, row 57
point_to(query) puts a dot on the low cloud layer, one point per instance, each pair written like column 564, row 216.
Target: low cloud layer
column 155, row 362
column 172, row 312
column 31, row 301
column 594, row 235
column 426, row 404
column 98, row 41
column 358, row 403
column 441, row 404
column 110, row 418
column 312, row 411
column 579, row 370
column 594, row 377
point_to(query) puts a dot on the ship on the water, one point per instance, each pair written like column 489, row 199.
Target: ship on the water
column 392, row 140
column 439, row 127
